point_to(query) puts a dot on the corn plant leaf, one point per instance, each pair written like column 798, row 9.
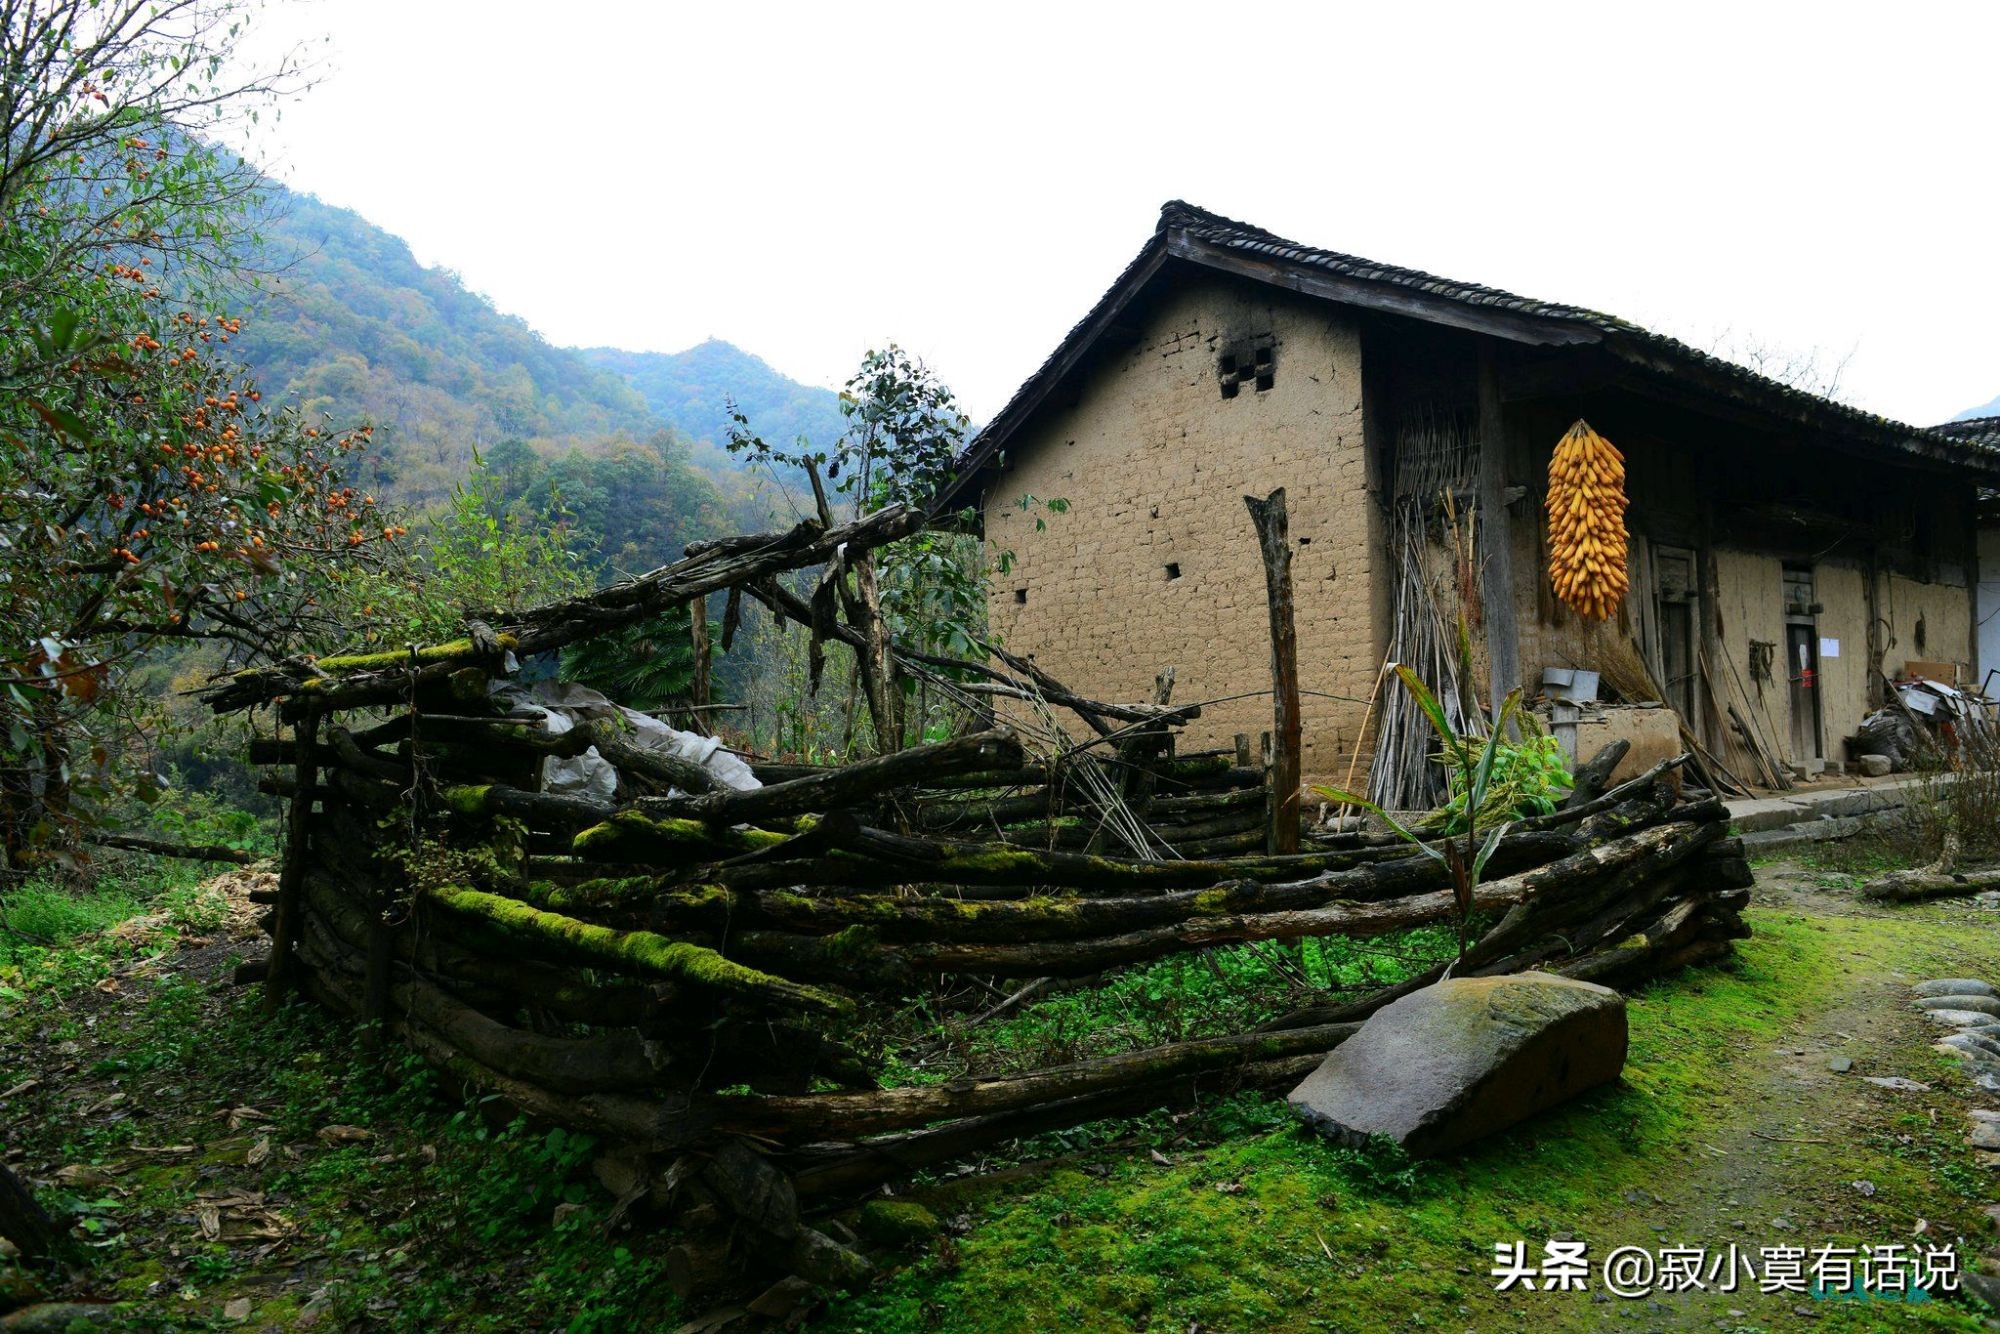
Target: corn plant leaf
column 1487, row 850
column 1456, row 751
column 1401, row 830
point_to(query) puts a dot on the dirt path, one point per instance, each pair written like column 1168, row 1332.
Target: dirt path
column 1793, row 1167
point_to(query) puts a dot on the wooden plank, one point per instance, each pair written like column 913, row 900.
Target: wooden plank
column 698, row 695
column 1503, row 641
column 291, row 877
column 1275, row 541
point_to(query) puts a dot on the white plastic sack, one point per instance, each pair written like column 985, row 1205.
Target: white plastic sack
column 562, row 705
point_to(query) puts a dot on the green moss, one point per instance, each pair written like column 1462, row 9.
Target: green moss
column 466, row 800
column 996, row 860
column 897, row 1223
column 641, row 951
column 375, row 662
column 636, row 833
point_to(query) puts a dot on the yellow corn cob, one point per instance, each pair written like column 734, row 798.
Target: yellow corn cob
column 1586, row 510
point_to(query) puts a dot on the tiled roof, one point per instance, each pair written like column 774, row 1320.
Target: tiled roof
column 1977, row 430
column 1196, row 235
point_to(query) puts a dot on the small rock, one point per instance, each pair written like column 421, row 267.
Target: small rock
column 1840, row 1065
column 1956, row 1018
column 1957, row 986
column 564, row 1212
column 1985, row 1005
column 1973, row 1044
column 898, row 1223
column 1875, row 766
column 1783, row 1224
column 1992, row 1212
column 1983, row 1286
column 1985, row 1135
column 1896, row 1083
column 1866, row 1189
column 781, row 1298
column 239, row 1309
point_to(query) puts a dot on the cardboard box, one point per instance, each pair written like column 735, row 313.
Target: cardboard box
column 1946, row 672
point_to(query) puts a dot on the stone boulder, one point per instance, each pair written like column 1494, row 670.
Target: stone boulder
column 1464, row 1058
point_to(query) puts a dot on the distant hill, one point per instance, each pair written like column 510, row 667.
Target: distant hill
column 346, row 321
column 693, row 389
column 1990, row 409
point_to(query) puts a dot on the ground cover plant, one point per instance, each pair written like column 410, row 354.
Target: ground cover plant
column 230, row 1170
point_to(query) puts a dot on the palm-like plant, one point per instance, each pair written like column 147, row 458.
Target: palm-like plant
column 648, row 665
column 1472, row 762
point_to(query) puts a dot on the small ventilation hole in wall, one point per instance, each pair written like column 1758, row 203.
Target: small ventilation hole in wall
column 1173, row 569
column 1230, row 379
column 1021, row 596
column 1266, row 372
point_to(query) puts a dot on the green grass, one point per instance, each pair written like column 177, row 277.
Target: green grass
column 1269, row 1227
column 446, row 1217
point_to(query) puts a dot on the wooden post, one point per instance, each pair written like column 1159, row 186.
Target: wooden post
column 291, row 878
column 1496, row 557
column 1274, row 538
column 699, row 692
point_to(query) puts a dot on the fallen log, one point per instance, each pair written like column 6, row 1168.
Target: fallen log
column 642, row 952
column 199, row 852
column 902, row 1108
column 1919, row 885
column 846, row 1168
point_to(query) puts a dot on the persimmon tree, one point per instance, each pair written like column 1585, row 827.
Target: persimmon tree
column 147, row 494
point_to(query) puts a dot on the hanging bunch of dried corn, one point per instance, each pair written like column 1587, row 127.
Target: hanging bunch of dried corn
column 1586, row 507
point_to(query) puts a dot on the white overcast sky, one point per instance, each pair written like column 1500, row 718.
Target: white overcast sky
column 811, row 180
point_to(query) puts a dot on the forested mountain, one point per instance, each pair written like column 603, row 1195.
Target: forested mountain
column 693, row 389
column 344, row 319
column 347, row 321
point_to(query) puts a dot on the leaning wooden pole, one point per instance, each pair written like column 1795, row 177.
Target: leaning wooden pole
column 698, row 694
column 291, row 878
column 1274, row 538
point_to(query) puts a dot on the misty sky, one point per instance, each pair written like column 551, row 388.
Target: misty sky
column 807, row 181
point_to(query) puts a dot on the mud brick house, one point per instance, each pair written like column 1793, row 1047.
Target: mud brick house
column 1788, row 552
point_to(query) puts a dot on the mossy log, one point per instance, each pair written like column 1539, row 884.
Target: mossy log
column 847, row 1114
column 654, row 1125
column 642, row 952
column 708, row 567
column 566, row 993
column 944, row 915
column 605, row 1061
column 845, row 1169
column 641, row 836
column 859, row 957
